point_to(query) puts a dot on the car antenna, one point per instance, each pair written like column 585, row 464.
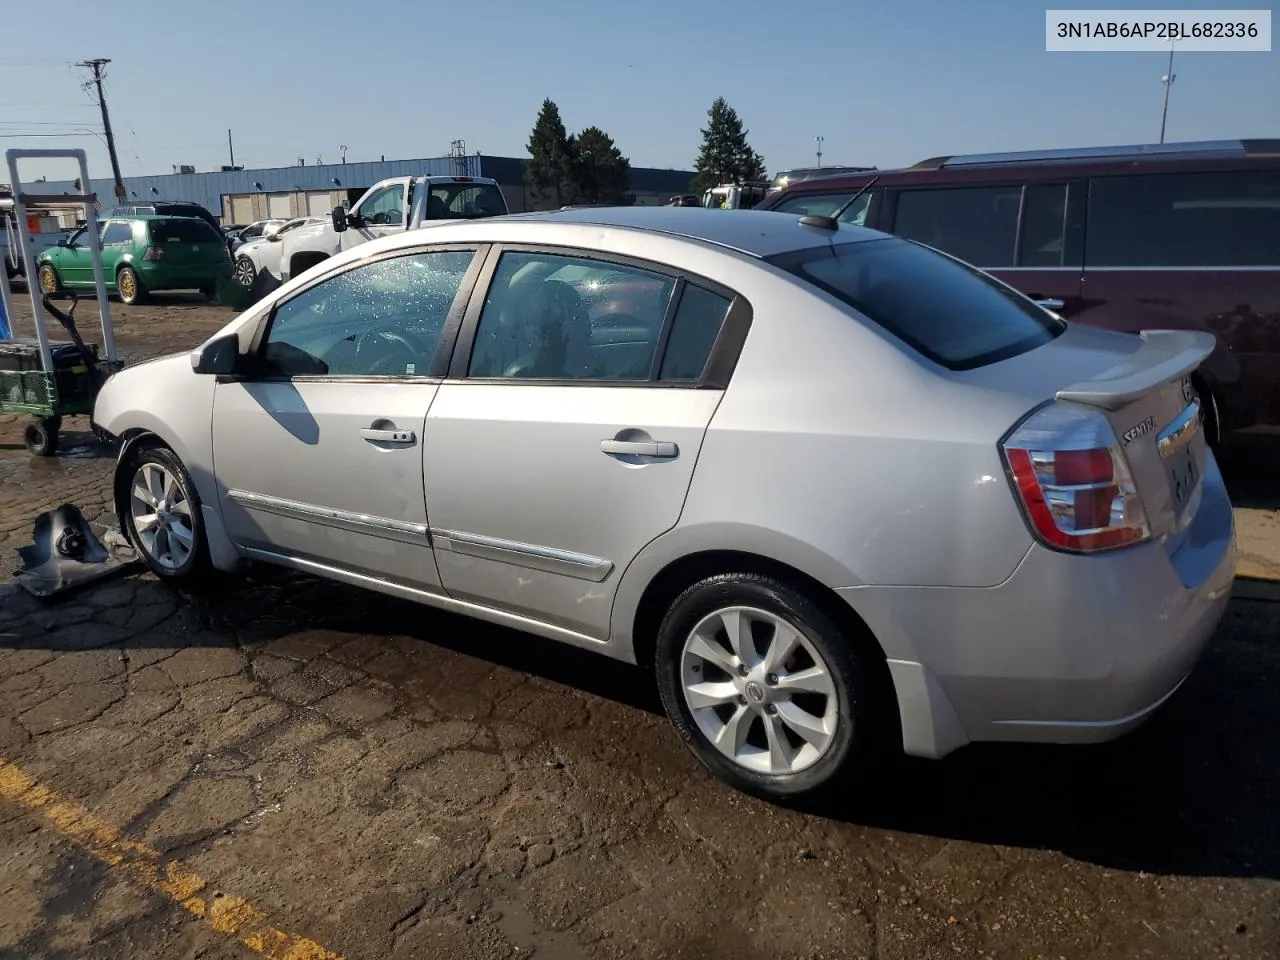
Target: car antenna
column 865, row 187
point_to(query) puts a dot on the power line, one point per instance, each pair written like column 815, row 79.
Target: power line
column 96, row 66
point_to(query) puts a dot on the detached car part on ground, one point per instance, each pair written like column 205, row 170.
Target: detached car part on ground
column 925, row 512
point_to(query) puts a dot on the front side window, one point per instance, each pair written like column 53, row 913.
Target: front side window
column 949, row 312
column 825, row 204
column 976, row 224
column 381, row 319
column 384, row 208
column 1226, row 219
column 554, row 317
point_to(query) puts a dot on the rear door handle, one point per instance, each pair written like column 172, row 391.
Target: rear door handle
column 387, row 436
column 1051, row 303
column 660, row 449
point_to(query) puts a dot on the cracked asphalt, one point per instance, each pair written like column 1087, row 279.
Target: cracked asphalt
column 390, row 781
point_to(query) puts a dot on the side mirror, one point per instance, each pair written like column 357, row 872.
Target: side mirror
column 339, row 219
column 62, row 242
column 217, row 356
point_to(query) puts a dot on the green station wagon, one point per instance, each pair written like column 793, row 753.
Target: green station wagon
column 140, row 255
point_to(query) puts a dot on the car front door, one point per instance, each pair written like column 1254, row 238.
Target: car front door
column 75, row 264
column 566, row 435
column 318, row 444
column 379, row 213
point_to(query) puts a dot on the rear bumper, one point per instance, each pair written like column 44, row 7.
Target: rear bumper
column 156, row 276
column 1069, row 649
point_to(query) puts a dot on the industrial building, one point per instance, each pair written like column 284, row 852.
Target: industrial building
column 242, row 196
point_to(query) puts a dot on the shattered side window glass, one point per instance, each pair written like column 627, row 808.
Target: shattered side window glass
column 381, row 319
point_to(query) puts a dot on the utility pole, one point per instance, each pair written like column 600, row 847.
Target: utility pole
column 231, row 149
column 1167, row 80
column 96, row 66
column 819, row 139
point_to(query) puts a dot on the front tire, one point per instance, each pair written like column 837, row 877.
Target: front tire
column 767, row 689
column 245, row 272
column 129, row 286
column 159, row 511
column 50, row 282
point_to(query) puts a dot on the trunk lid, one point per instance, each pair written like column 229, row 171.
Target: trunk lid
column 186, row 241
column 1141, row 384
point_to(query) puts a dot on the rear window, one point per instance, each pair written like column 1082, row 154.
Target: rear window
column 185, row 230
column 949, row 312
column 469, row 201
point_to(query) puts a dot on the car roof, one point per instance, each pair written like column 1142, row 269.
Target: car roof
column 758, row 233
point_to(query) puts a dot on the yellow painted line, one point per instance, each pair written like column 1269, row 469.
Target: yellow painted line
column 228, row 915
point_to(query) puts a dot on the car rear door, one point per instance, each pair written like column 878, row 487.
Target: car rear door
column 318, row 443
column 565, row 437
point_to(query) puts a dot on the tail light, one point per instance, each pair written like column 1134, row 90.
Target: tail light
column 154, row 253
column 1074, row 481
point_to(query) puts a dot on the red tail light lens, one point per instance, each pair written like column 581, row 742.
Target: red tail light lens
column 154, row 253
column 1074, row 481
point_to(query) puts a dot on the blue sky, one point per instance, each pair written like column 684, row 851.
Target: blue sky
column 883, row 84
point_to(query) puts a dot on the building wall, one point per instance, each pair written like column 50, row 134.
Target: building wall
column 242, row 196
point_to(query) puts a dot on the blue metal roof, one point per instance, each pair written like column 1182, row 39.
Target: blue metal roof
column 208, row 189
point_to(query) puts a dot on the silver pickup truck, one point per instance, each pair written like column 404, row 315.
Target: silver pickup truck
column 390, row 206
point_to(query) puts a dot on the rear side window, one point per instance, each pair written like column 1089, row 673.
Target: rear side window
column 977, row 224
column 825, row 204
column 182, row 230
column 694, row 330
column 1227, row 219
column 949, row 312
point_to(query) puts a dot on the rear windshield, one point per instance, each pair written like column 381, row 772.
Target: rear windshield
column 948, row 311
column 183, row 230
column 467, row 201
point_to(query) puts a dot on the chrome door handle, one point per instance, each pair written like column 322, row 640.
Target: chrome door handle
column 1051, row 303
column 640, row 448
column 387, row 436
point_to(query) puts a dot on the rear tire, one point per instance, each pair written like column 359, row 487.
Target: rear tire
column 129, row 287
column 808, row 713
column 160, row 513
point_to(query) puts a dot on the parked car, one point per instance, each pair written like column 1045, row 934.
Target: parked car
column 256, row 231
column 1184, row 236
column 140, row 255
column 391, row 206
column 263, row 254
column 925, row 512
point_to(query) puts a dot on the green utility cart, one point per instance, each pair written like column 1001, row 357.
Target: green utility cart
column 43, row 378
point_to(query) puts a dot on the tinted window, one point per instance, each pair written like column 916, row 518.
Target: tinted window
column 467, row 201
column 565, row 318
column 117, row 233
column 1185, row 220
column 825, row 204
column 181, row 230
column 976, row 224
column 693, row 332
column 381, row 319
column 948, row 311
column 1044, row 230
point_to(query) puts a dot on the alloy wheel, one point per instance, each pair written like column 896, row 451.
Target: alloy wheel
column 244, row 272
column 759, row 690
column 161, row 515
column 48, row 280
column 128, row 286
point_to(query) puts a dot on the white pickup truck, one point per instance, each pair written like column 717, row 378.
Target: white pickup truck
column 390, row 206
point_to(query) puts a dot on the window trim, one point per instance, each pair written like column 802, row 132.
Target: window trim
column 438, row 366
column 716, row 372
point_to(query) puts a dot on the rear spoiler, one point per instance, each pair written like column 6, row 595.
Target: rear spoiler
column 1165, row 355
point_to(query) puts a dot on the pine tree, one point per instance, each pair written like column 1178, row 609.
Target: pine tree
column 601, row 173
column 725, row 157
column 549, row 157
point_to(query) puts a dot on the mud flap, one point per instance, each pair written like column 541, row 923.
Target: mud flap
column 66, row 552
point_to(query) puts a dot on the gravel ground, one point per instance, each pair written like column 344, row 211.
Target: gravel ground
column 201, row 773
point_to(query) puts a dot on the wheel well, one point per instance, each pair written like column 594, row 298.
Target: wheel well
column 683, row 573
column 305, row 260
column 131, row 442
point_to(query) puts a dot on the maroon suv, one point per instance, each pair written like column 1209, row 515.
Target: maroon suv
column 1128, row 238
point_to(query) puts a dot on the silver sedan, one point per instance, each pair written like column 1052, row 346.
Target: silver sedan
column 845, row 495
